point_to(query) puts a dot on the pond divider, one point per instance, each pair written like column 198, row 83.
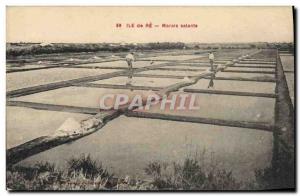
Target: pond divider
column 54, row 107
column 249, row 71
column 236, row 93
column 96, row 122
column 211, row 121
column 67, row 83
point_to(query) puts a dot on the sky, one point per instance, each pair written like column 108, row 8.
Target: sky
column 98, row 24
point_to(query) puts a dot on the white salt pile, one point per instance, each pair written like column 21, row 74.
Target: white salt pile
column 69, row 127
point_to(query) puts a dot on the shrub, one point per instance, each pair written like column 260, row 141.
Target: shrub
column 190, row 176
column 84, row 163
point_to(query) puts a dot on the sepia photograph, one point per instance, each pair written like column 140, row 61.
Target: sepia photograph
column 150, row 98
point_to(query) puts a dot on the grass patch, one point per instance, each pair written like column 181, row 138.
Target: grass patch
column 85, row 165
column 84, row 173
column 190, row 176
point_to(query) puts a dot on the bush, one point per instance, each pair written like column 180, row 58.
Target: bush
column 90, row 168
column 82, row 174
column 38, row 177
column 190, row 176
column 30, row 172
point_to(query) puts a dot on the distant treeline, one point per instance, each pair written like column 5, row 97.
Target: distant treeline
column 259, row 45
column 18, row 49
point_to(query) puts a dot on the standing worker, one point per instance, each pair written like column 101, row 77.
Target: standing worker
column 129, row 59
column 211, row 58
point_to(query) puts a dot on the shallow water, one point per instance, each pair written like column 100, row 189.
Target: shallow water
column 178, row 66
column 290, row 77
column 224, row 107
column 27, row 66
column 24, row 124
column 238, row 86
column 126, row 145
column 250, row 69
column 245, row 75
column 288, row 65
column 136, row 64
column 251, row 65
column 175, row 57
column 287, row 62
column 140, row 81
column 18, row 80
column 174, row 73
column 75, row 96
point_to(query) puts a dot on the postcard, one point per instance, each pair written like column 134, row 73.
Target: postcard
column 155, row 98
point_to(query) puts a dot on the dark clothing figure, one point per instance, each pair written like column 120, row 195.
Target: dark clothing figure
column 211, row 64
column 211, row 81
column 130, row 70
column 211, row 58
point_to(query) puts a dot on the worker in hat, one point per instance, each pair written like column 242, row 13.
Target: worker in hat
column 211, row 58
column 129, row 59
